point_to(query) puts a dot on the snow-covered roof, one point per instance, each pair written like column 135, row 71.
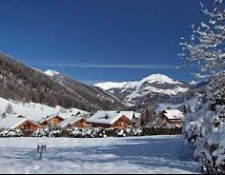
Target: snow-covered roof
column 128, row 114
column 73, row 119
column 51, row 117
column 174, row 114
column 12, row 121
column 109, row 117
column 76, row 111
column 64, row 116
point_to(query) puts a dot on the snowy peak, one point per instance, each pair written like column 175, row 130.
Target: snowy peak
column 159, row 79
column 152, row 79
column 51, row 73
column 149, row 89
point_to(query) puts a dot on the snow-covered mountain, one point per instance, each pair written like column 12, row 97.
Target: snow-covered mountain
column 149, row 89
column 22, row 83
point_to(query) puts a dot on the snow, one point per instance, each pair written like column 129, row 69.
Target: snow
column 70, row 121
column 49, row 117
column 159, row 79
column 51, row 73
column 174, row 114
column 109, row 117
column 193, row 103
column 116, row 85
column 173, row 91
column 139, row 155
column 129, row 114
column 150, row 89
column 155, row 78
column 193, row 82
column 35, row 111
column 137, row 115
column 144, row 87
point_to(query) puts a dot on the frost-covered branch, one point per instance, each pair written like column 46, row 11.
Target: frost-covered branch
column 206, row 45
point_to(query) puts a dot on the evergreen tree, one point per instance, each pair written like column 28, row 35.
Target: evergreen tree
column 142, row 122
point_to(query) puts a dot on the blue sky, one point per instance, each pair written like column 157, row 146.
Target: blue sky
column 99, row 40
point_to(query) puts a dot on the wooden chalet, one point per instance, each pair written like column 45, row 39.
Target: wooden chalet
column 52, row 120
column 111, row 119
column 173, row 116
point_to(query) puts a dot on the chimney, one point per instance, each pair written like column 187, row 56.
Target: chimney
column 107, row 116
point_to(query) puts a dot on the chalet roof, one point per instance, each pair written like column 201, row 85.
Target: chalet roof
column 12, row 121
column 64, row 116
column 69, row 121
column 174, row 114
column 51, row 117
column 109, row 117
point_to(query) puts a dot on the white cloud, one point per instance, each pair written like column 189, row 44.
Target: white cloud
column 108, row 66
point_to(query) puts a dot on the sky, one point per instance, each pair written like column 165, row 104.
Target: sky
column 99, row 40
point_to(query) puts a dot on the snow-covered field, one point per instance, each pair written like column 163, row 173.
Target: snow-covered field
column 158, row 154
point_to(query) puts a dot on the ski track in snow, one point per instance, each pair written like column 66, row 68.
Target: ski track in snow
column 157, row 154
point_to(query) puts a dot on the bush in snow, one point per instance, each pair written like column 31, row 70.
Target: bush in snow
column 11, row 133
column 205, row 133
column 211, row 154
column 50, row 132
column 104, row 132
column 194, row 131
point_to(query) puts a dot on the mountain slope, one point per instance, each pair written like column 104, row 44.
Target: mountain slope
column 35, row 111
column 149, row 89
column 22, row 83
column 87, row 93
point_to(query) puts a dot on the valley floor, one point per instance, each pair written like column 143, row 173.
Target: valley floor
column 158, row 154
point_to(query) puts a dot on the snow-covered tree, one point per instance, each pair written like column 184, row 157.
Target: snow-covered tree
column 206, row 48
column 9, row 109
column 148, row 116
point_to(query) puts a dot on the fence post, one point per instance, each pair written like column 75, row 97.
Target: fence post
column 41, row 148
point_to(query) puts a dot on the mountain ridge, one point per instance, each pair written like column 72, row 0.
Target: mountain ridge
column 150, row 88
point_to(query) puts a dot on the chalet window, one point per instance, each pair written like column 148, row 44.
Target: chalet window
column 26, row 126
column 121, row 122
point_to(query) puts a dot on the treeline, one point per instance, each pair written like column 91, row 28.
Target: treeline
column 161, row 131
